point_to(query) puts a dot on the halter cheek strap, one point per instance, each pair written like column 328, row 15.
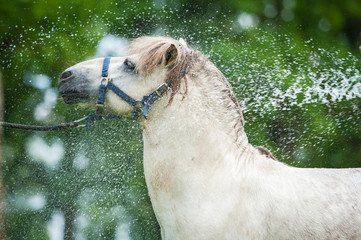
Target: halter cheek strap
column 103, row 86
column 105, row 67
column 139, row 106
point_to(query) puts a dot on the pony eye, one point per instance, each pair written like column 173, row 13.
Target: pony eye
column 128, row 64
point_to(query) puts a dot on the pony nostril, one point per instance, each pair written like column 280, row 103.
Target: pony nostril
column 66, row 74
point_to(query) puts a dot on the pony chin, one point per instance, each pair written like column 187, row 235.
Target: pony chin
column 76, row 98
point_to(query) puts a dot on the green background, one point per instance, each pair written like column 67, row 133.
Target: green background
column 294, row 66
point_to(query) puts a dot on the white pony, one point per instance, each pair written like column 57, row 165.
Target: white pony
column 204, row 179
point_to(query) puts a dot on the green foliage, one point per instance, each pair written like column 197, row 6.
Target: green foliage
column 278, row 68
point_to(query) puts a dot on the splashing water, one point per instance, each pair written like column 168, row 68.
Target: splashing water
column 310, row 84
column 289, row 93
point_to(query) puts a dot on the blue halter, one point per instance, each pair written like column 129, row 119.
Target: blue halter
column 139, row 106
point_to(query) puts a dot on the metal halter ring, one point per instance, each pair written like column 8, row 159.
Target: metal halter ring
column 104, row 80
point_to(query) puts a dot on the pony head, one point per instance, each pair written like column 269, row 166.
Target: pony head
column 151, row 62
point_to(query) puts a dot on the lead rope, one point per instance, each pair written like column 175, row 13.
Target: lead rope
column 60, row 126
column 89, row 121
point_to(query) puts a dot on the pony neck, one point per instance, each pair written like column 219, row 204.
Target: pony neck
column 193, row 155
column 196, row 126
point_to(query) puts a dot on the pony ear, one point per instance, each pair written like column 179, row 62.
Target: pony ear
column 170, row 55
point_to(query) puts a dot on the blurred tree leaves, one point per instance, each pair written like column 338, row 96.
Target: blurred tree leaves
column 290, row 43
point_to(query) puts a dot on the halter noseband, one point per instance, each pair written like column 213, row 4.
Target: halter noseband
column 139, row 106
